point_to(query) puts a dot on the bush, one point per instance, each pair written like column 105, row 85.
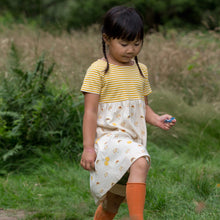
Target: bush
column 35, row 116
column 79, row 14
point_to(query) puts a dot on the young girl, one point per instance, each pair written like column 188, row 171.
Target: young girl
column 116, row 111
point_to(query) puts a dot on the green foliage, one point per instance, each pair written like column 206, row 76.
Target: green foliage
column 79, row 14
column 35, row 116
column 86, row 13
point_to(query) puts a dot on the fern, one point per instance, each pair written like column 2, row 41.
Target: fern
column 12, row 152
column 9, row 114
column 36, row 116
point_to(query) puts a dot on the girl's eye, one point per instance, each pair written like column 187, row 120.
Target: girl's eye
column 137, row 44
column 124, row 44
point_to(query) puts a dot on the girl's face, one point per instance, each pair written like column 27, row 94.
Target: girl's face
column 121, row 52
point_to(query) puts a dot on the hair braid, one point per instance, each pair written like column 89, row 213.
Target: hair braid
column 136, row 60
column 104, row 52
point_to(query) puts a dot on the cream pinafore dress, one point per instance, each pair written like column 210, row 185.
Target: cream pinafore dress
column 121, row 128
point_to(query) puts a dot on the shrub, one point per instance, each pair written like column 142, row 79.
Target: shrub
column 35, row 116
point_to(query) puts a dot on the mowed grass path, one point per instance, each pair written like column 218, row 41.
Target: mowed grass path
column 178, row 187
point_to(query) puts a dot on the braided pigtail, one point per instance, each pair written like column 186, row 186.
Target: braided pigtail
column 104, row 52
column 136, row 61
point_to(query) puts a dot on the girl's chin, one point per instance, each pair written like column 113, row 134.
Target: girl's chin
column 124, row 61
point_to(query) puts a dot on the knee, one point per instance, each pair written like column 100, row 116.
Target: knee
column 141, row 164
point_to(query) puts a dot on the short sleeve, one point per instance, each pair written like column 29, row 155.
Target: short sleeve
column 92, row 82
column 147, row 87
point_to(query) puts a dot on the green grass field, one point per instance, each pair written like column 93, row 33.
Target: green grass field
column 178, row 187
column 184, row 179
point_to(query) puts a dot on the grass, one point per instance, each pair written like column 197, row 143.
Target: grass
column 186, row 60
column 184, row 180
column 177, row 188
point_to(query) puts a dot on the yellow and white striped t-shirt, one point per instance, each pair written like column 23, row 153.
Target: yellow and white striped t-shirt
column 120, row 83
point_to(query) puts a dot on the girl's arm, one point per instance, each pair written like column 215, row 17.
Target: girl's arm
column 89, row 130
column 157, row 120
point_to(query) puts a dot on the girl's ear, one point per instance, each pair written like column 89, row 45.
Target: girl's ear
column 106, row 38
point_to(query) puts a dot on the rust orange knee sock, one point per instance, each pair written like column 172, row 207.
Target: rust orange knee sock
column 136, row 193
column 101, row 214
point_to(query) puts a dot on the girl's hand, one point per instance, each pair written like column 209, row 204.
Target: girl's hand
column 165, row 125
column 88, row 159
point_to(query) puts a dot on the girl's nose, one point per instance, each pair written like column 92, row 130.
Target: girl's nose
column 130, row 49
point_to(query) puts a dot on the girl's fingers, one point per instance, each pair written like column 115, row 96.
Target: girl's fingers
column 88, row 160
column 92, row 166
column 88, row 165
column 167, row 126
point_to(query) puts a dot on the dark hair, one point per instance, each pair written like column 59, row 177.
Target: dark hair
column 124, row 23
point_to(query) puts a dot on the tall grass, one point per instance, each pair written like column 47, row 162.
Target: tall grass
column 187, row 63
column 197, row 131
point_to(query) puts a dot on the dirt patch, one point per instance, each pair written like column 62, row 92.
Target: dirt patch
column 9, row 214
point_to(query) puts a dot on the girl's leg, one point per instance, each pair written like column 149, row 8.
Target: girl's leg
column 136, row 188
column 109, row 208
column 139, row 170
